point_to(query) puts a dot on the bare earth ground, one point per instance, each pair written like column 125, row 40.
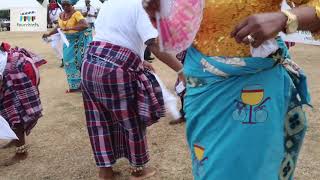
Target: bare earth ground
column 59, row 145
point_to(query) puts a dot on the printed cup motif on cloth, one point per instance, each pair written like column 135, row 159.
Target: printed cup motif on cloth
column 251, row 109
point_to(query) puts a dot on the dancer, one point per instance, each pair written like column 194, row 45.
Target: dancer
column 19, row 96
column 243, row 115
column 121, row 97
column 75, row 27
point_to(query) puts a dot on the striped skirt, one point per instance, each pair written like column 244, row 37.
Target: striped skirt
column 120, row 101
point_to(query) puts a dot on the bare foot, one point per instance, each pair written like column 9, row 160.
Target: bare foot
column 108, row 176
column 144, row 174
column 8, row 145
column 73, row 91
column 15, row 159
column 178, row 121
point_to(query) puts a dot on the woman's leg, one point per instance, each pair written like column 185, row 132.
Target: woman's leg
column 101, row 144
column 57, row 46
column 107, row 173
column 21, row 150
column 144, row 173
column 72, row 65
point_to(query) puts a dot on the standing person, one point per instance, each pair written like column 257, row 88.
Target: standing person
column 244, row 115
column 121, row 97
column 20, row 102
column 56, row 42
column 75, row 27
column 90, row 13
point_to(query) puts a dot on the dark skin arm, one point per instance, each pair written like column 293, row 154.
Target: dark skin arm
column 82, row 25
column 260, row 26
column 85, row 14
column 267, row 25
column 54, row 31
column 166, row 58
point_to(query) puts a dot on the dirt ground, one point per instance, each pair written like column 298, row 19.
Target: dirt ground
column 59, row 145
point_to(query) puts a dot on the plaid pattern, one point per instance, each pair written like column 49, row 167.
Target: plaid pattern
column 19, row 98
column 290, row 44
column 35, row 59
column 121, row 99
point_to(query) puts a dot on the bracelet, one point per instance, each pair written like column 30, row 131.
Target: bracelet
column 136, row 169
column 180, row 71
column 22, row 149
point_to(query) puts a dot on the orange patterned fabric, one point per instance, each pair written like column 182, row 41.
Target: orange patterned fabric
column 72, row 22
column 221, row 16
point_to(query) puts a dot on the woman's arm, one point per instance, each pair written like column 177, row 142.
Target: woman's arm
column 82, row 25
column 307, row 18
column 166, row 58
column 54, row 31
column 262, row 27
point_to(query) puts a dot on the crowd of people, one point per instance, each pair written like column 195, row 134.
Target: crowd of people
column 238, row 126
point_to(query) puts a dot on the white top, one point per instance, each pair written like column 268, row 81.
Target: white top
column 5, row 131
column 92, row 11
column 125, row 23
column 3, row 62
column 54, row 15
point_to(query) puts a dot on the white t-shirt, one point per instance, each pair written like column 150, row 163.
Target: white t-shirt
column 3, row 62
column 125, row 23
column 92, row 11
column 54, row 15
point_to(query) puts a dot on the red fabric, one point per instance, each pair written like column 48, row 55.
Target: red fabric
column 53, row 6
column 290, row 44
column 5, row 46
column 29, row 71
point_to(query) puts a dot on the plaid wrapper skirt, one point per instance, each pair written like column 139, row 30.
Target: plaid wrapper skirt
column 19, row 97
column 121, row 99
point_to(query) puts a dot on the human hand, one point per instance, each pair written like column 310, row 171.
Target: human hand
column 65, row 29
column 148, row 66
column 44, row 36
column 182, row 78
column 258, row 28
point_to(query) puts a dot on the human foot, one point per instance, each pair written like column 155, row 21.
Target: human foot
column 108, row 174
column 143, row 174
column 178, row 121
column 72, row 91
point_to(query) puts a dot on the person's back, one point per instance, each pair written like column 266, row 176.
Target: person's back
column 124, row 23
